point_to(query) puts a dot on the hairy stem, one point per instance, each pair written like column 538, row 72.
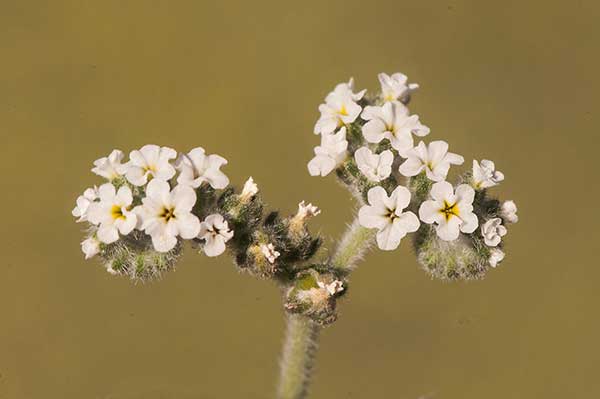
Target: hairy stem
column 302, row 334
column 354, row 243
column 298, row 357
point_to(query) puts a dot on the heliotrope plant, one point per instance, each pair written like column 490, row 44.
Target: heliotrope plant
column 150, row 204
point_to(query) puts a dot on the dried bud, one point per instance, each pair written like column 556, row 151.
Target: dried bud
column 249, row 191
column 313, row 294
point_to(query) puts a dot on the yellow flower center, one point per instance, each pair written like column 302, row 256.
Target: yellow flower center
column 117, row 212
column 167, row 213
column 343, row 111
column 449, row 210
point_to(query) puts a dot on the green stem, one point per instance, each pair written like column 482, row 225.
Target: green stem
column 302, row 335
column 298, row 357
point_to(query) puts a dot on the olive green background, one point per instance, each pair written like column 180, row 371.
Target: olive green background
column 513, row 81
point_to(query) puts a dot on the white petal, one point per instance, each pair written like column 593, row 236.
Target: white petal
column 389, row 238
column 158, row 190
column 469, row 224
column 465, row 193
column 449, row 230
column 188, row 225
column 408, row 222
column 443, row 191
column 374, row 131
column 429, row 212
column 411, row 167
column 164, row 242
column 183, row 198
column 214, row 246
column 107, row 234
column 437, row 150
column 401, row 198
column 124, row 196
column 321, row 165
column 126, row 226
column 372, row 217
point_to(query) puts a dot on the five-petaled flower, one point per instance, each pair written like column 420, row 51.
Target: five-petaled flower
column 110, row 167
column 339, row 109
column 392, row 121
column 395, row 88
column 452, row 212
column 166, row 214
column 493, row 231
column 329, row 154
column 214, row 230
column 485, row 174
column 386, row 214
column 196, row 167
column 434, row 159
column 83, row 203
column 376, row 167
column 508, row 211
column 150, row 161
column 269, row 252
column 113, row 213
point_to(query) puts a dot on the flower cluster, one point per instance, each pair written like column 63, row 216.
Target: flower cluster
column 370, row 143
column 153, row 202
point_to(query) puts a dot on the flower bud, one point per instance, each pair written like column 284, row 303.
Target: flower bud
column 465, row 258
column 508, row 212
column 313, row 294
column 134, row 256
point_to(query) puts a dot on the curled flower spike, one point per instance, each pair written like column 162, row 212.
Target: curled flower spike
column 196, row 167
column 434, row 159
column 110, row 167
column 150, row 161
column 215, row 231
column 113, row 213
column 386, row 215
column 329, row 154
column 452, row 212
column 166, row 214
column 375, row 167
column 485, row 174
column 392, row 121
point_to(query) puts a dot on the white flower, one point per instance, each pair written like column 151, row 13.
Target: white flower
column 269, row 252
column 150, row 161
column 434, row 159
column 392, row 121
column 83, row 203
column 329, row 154
column 340, row 108
column 166, row 214
column 493, row 231
column 306, row 211
column 113, row 213
column 394, row 88
column 486, row 175
column 196, row 167
column 375, row 167
column 496, row 256
column 332, row 288
column 110, row 167
column 385, row 214
column 508, row 211
column 90, row 247
column 215, row 231
column 452, row 212
column 249, row 191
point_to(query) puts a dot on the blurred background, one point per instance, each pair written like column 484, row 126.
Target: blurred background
column 511, row 81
